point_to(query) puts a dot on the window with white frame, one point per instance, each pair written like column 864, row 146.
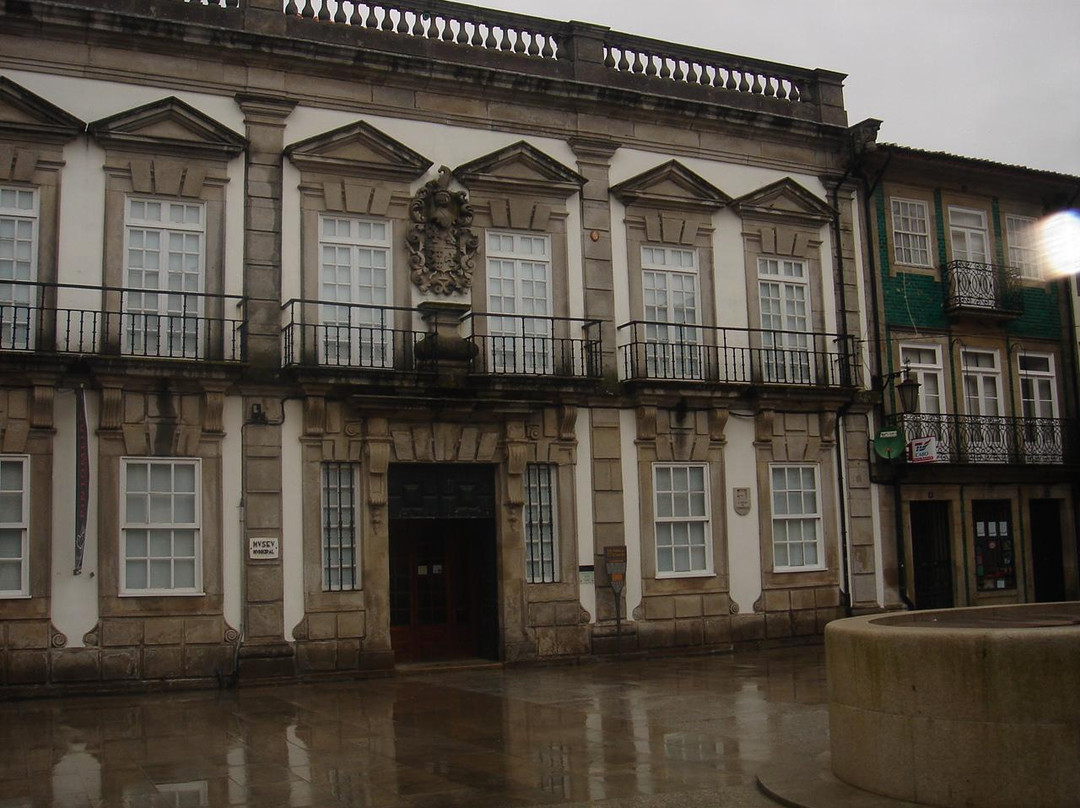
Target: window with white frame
column 164, row 270
column 968, row 235
column 354, row 287
column 1020, row 231
column 162, row 542
column 1037, row 385
column 683, row 540
column 784, row 301
column 14, row 524
column 541, row 532
column 670, row 293
column 519, row 300
column 911, row 232
column 924, row 362
column 796, row 518
column 18, row 266
column 339, row 531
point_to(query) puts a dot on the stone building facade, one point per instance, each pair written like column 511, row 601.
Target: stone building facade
column 971, row 308
column 388, row 322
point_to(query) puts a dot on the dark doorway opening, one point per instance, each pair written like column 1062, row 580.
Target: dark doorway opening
column 443, row 574
column 1048, row 561
column 995, row 545
column 931, row 555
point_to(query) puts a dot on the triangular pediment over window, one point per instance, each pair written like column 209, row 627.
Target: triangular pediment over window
column 168, row 126
column 671, row 185
column 520, row 168
column 26, row 116
column 785, row 199
column 358, row 150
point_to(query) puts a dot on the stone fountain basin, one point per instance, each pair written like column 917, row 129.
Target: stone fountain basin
column 959, row 708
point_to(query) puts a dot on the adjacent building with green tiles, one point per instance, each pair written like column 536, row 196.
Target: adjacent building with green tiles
column 982, row 507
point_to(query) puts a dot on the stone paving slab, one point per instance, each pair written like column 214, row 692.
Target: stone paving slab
column 678, row 732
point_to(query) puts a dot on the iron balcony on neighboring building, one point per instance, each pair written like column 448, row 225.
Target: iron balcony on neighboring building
column 320, row 334
column 995, row 439
column 56, row 318
column 679, row 352
column 973, row 288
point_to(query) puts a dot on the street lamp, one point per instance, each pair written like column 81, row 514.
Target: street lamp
column 907, row 390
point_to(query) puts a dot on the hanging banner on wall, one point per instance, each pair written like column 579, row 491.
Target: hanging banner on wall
column 82, row 478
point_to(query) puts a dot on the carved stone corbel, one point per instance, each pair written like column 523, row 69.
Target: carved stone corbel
column 763, row 426
column 718, row 418
column 112, row 408
column 646, row 423
column 377, row 453
column 41, row 410
column 314, row 415
column 567, row 421
column 213, row 411
column 828, row 427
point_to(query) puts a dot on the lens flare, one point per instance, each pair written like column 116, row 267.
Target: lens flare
column 1059, row 243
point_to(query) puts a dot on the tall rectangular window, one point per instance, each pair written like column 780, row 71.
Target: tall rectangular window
column 1037, row 385
column 162, row 516
column 968, row 235
column 683, row 539
column 669, row 287
column 784, row 300
column 541, row 533
column 14, row 524
column 1020, row 231
column 18, row 266
column 339, row 547
column 354, row 287
column 796, row 518
column 519, row 292
column 164, row 274
column 911, row 232
column 924, row 361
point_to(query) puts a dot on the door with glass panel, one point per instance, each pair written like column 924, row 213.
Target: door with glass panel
column 18, row 267
column 986, row 433
column 669, row 280
column 923, row 362
column 162, row 305
column 784, row 298
column 519, row 333
column 976, row 285
column 355, row 328
column 1040, row 431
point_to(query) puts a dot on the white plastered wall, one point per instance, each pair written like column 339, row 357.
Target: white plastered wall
column 631, row 510
column 744, row 545
column 292, row 526
column 232, row 538
column 74, row 597
column 583, row 490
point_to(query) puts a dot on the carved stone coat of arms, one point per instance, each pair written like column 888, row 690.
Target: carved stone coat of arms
column 442, row 245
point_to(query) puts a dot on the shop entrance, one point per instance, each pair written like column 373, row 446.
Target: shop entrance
column 1046, row 551
column 443, row 580
column 931, row 555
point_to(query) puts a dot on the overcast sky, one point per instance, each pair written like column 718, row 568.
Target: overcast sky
column 997, row 79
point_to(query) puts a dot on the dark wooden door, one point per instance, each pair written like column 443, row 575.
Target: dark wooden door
column 931, row 555
column 1046, row 550
column 442, row 583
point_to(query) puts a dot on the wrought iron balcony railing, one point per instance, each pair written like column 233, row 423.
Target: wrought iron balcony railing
column 995, row 438
column 326, row 334
column 522, row 345
column 993, row 289
column 319, row 333
column 694, row 353
column 116, row 321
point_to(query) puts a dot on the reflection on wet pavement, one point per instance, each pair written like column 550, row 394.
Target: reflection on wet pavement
column 686, row 731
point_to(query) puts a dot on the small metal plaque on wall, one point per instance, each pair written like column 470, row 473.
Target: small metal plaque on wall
column 262, row 548
column 742, row 500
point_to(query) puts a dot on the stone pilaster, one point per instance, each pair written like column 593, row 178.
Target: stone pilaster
column 264, row 120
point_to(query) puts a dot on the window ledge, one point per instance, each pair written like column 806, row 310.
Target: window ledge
column 15, row 596
column 785, row 570
column 161, row 593
column 699, row 574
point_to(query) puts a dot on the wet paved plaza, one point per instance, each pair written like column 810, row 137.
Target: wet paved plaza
column 692, row 731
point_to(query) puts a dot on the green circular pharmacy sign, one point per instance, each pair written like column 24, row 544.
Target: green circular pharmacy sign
column 890, row 443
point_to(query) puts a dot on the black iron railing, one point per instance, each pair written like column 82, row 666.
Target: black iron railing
column 521, row 345
column 680, row 352
column 995, row 438
column 106, row 320
column 989, row 288
column 320, row 333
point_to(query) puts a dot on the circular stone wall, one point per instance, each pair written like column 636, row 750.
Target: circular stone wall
column 961, row 708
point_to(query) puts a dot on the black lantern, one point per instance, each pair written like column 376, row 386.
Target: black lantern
column 908, row 390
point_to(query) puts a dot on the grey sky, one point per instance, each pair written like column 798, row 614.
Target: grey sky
column 997, row 79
